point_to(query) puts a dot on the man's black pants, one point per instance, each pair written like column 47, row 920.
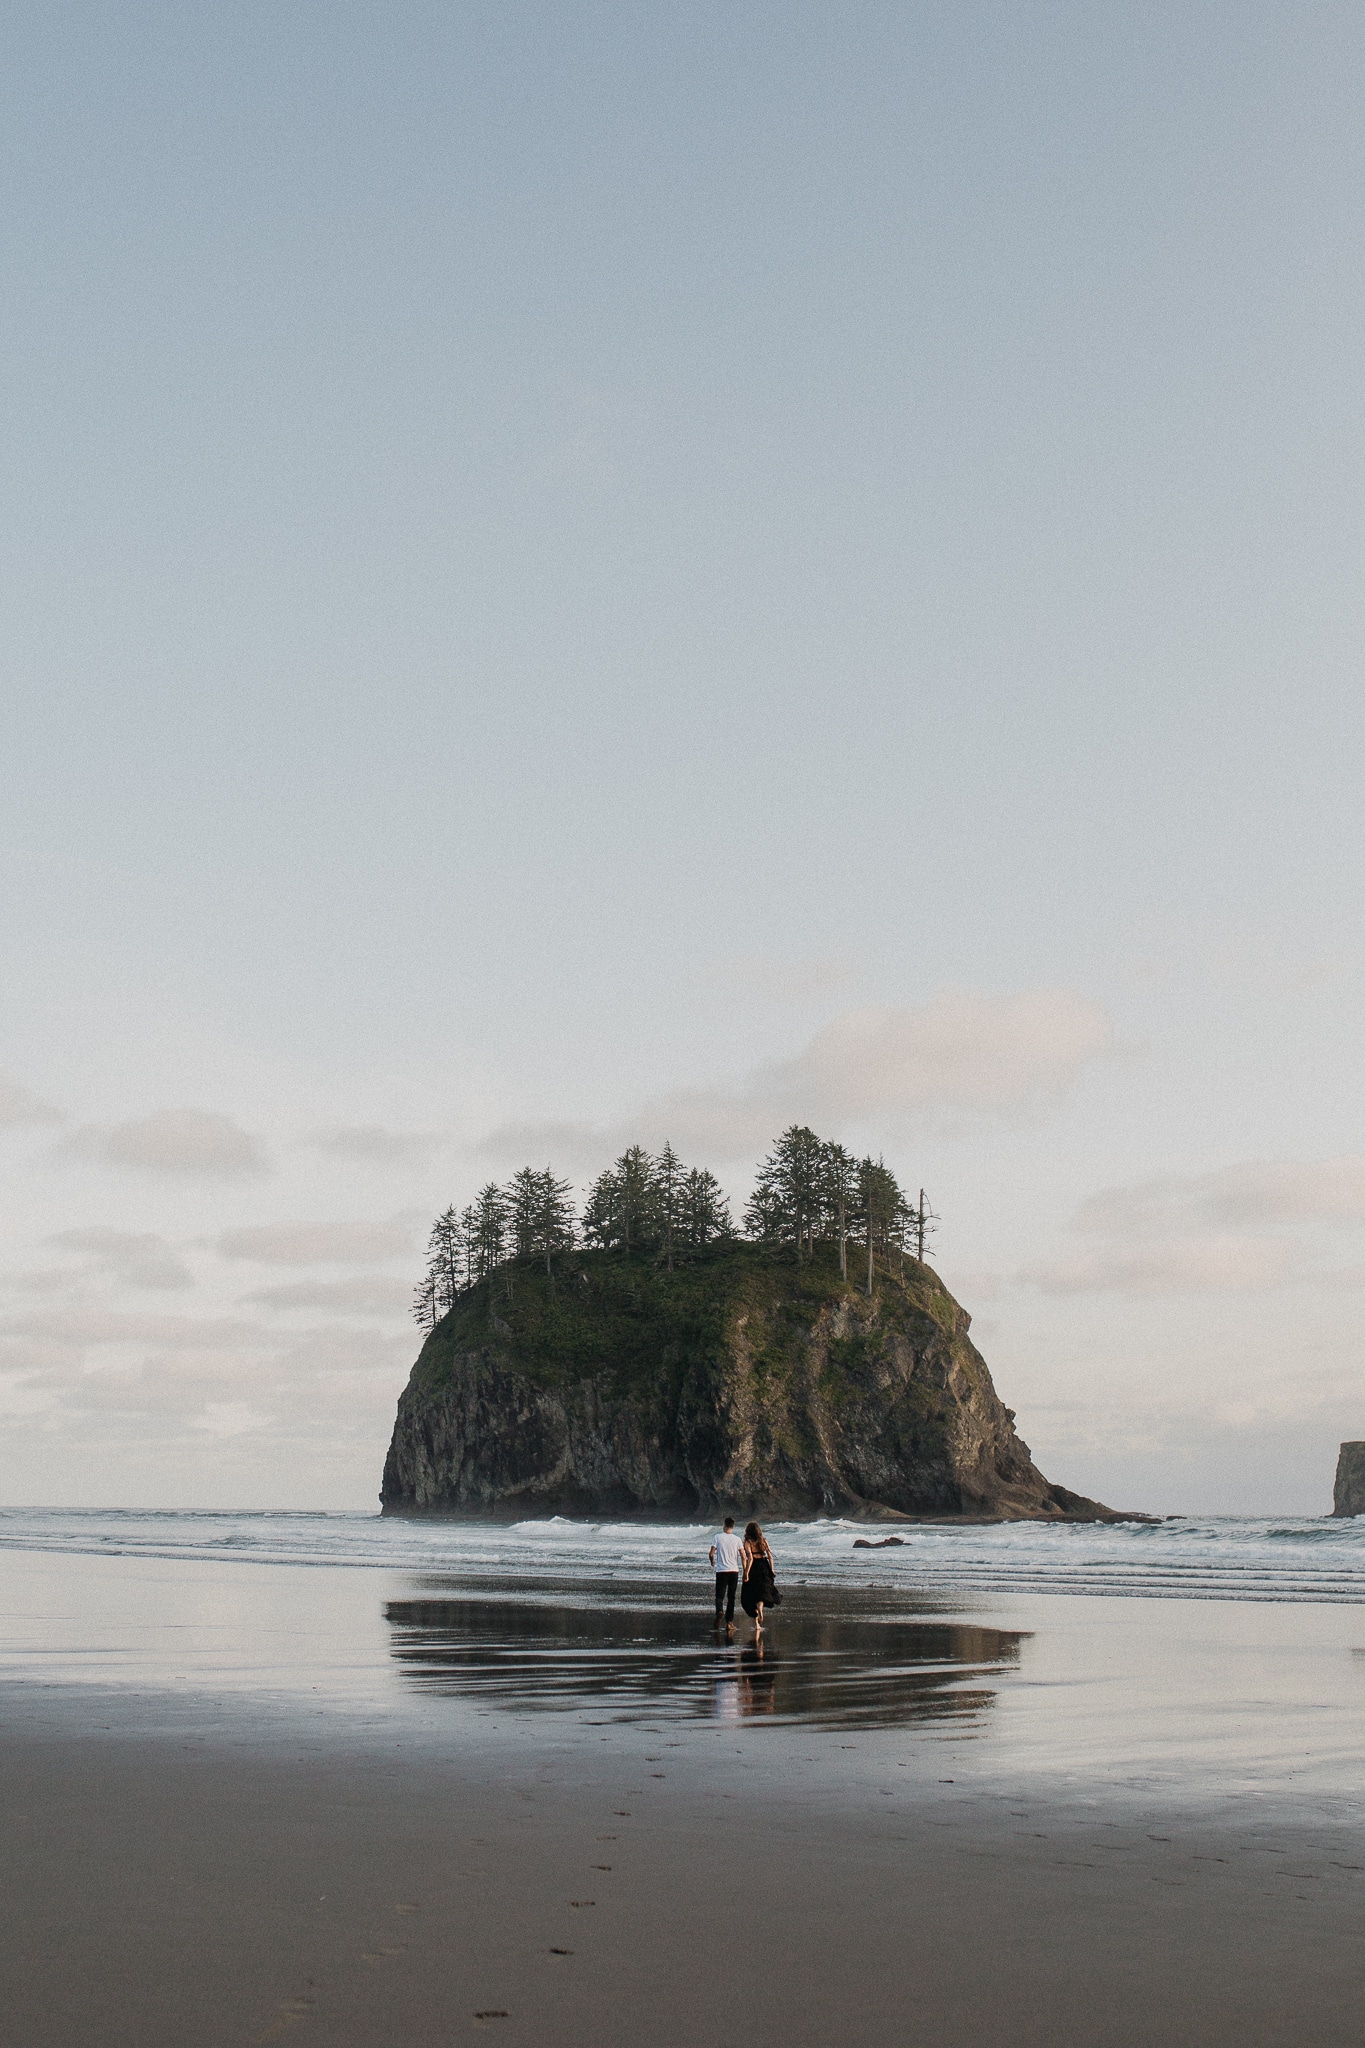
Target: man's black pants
column 726, row 1583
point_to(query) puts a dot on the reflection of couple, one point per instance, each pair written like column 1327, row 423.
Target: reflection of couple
column 747, row 1565
column 749, row 1686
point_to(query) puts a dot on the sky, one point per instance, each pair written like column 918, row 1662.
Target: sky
column 581, row 575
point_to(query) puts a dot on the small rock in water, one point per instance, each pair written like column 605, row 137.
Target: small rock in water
column 887, row 1543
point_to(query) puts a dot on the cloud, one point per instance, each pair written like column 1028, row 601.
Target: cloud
column 230, row 1418
column 960, row 1055
column 364, row 1294
column 17, row 1106
column 1225, row 1231
column 319, row 1244
column 43, row 1280
column 958, row 1052
column 372, row 1144
column 19, row 1396
column 1226, row 1264
column 81, row 1326
column 335, row 1355
column 114, row 1377
column 197, row 1141
column 136, row 1257
column 1257, row 1191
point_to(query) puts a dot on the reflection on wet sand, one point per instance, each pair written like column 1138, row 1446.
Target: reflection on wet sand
column 857, row 1665
column 753, row 1690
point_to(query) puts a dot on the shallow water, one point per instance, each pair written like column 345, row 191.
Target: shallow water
column 853, row 1664
column 968, row 1653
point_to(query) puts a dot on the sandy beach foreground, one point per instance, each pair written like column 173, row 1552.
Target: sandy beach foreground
column 386, row 1806
column 195, row 1886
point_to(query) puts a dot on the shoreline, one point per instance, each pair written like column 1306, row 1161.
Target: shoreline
column 615, row 1515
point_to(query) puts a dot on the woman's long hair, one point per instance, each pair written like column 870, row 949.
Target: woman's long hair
column 753, row 1534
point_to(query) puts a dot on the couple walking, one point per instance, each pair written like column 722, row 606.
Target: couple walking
column 747, row 1564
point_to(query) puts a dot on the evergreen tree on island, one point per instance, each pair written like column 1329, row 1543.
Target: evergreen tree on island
column 655, row 1205
column 540, row 1214
column 807, row 1192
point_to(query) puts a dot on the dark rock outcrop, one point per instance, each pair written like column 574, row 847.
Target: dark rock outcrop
column 1348, row 1494
column 741, row 1381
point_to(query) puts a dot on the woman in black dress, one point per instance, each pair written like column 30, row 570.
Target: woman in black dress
column 757, row 1590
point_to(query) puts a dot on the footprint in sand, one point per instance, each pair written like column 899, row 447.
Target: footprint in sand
column 290, row 2013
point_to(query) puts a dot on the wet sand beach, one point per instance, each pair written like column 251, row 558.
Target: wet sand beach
column 194, row 1887
column 252, row 1803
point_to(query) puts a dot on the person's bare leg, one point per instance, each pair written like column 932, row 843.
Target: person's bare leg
column 758, row 1620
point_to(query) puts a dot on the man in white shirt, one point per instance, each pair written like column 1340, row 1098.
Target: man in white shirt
column 727, row 1558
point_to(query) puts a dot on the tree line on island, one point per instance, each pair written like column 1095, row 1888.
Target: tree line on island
column 807, row 1192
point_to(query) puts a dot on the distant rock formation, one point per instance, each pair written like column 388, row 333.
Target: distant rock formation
column 1348, row 1495
column 739, row 1381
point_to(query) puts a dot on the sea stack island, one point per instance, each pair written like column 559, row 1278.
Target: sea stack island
column 1348, row 1493
column 740, row 1377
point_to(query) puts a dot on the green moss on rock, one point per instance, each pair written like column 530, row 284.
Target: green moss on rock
column 738, row 1380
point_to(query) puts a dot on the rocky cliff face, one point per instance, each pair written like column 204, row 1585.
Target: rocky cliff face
column 1348, row 1494
column 742, row 1383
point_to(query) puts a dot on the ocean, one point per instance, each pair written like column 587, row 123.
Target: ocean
column 1274, row 1558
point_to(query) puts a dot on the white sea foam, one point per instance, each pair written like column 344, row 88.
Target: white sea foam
column 1217, row 1558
